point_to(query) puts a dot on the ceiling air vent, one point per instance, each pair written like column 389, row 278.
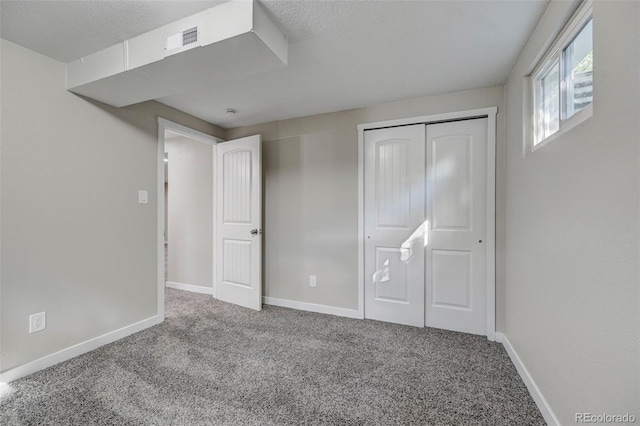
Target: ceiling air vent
column 190, row 36
column 182, row 39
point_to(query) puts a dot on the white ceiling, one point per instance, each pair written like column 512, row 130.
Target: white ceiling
column 342, row 54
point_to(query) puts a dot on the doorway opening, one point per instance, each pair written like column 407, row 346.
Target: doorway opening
column 186, row 210
column 210, row 207
column 189, row 213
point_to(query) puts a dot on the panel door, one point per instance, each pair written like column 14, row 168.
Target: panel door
column 239, row 219
column 456, row 251
column 394, row 224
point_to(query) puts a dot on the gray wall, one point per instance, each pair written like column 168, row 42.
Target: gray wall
column 190, row 212
column 75, row 242
column 572, row 227
column 310, row 168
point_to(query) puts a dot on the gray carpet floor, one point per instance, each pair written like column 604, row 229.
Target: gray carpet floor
column 215, row 363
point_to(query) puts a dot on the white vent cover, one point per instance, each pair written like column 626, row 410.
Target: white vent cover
column 190, row 36
column 181, row 39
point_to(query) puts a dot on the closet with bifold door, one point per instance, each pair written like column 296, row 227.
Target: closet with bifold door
column 425, row 224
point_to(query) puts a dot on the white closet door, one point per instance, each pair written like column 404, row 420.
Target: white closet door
column 456, row 250
column 394, row 224
column 239, row 219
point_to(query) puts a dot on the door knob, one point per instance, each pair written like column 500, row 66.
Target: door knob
column 256, row 231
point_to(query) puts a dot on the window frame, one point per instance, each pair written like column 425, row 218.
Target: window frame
column 555, row 52
column 538, row 96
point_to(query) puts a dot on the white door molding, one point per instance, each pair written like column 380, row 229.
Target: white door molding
column 490, row 113
column 164, row 124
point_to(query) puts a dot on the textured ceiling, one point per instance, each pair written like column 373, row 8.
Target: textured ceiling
column 342, row 54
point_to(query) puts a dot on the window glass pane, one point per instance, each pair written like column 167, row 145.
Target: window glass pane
column 578, row 71
column 550, row 101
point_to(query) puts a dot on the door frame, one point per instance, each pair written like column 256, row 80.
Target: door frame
column 489, row 113
column 164, row 124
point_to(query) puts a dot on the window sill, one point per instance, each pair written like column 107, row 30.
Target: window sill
column 583, row 115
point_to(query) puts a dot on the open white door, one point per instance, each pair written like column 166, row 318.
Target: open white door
column 239, row 222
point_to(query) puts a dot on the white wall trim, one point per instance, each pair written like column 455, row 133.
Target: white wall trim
column 546, row 411
column 491, row 114
column 164, row 124
column 76, row 350
column 311, row 307
column 435, row 118
column 190, row 287
column 214, row 226
column 186, row 131
column 491, row 224
column 160, row 240
column 361, row 222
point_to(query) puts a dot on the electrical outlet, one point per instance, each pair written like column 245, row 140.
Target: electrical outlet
column 37, row 322
column 312, row 280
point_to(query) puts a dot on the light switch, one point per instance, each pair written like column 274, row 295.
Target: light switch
column 143, row 197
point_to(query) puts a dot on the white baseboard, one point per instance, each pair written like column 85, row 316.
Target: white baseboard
column 534, row 390
column 76, row 350
column 312, row 307
column 190, row 287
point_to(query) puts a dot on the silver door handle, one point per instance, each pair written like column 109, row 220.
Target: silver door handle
column 256, row 231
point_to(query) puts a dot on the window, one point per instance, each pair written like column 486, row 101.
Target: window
column 562, row 84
